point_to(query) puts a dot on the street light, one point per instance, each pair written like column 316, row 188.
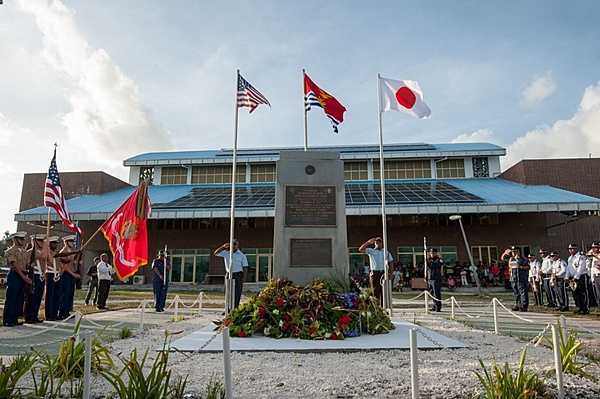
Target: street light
column 473, row 268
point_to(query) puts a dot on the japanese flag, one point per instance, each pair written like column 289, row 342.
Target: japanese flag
column 402, row 95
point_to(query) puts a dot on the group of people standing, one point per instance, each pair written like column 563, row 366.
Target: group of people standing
column 40, row 271
column 551, row 278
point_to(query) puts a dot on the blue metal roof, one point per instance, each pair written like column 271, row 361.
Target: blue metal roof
column 493, row 191
column 250, row 152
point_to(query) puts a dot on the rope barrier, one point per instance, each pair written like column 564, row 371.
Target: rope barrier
column 435, row 299
column 45, row 330
column 463, row 311
column 512, row 313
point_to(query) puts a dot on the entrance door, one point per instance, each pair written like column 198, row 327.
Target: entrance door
column 264, row 267
column 182, row 269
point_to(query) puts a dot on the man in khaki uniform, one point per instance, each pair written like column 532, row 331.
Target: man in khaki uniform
column 68, row 278
column 37, row 266
column 53, row 271
column 16, row 259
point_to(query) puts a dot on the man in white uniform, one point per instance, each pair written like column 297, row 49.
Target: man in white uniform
column 376, row 263
column 105, row 272
column 579, row 269
column 535, row 273
column 238, row 270
column 594, row 267
column 560, row 270
column 546, row 272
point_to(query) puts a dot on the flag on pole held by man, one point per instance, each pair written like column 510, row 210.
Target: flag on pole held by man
column 54, row 198
column 127, row 234
column 248, row 96
column 315, row 96
column 402, row 95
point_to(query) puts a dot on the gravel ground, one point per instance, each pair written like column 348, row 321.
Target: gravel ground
column 444, row 374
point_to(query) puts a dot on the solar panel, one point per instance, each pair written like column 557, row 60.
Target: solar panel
column 263, row 196
column 434, row 192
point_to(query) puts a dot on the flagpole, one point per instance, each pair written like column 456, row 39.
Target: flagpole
column 386, row 299
column 228, row 283
column 305, row 112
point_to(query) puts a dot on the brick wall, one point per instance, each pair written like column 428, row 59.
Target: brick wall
column 581, row 175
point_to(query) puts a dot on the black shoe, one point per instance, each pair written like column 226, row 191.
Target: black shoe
column 29, row 322
column 438, row 310
column 86, row 303
column 523, row 309
column 516, row 308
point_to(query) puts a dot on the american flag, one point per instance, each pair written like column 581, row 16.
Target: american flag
column 53, row 196
column 248, row 96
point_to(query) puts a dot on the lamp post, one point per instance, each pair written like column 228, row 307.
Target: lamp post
column 473, row 268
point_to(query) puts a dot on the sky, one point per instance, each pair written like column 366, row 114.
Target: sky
column 107, row 80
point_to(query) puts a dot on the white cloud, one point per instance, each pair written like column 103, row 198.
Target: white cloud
column 107, row 118
column 574, row 137
column 540, row 88
column 478, row 136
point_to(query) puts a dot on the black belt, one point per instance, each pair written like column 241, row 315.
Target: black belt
column 236, row 273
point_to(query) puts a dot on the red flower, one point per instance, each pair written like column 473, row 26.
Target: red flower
column 279, row 301
column 261, row 312
column 344, row 321
column 241, row 333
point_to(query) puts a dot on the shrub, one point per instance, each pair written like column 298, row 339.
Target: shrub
column 570, row 348
column 155, row 384
column 214, row 389
column 12, row 373
column 501, row 383
column 125, row 333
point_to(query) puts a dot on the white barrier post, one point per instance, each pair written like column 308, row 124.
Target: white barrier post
column 414, row 372
column 78, row 324
column 452, row 307
column 426, row 303
column 558, row 364
column 495, row 315
column 142, row 316
column 87, row 366
column 176, row 307
column 200, row 300
column 227, row 364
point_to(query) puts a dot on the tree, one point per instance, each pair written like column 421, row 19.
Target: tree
column 3, row 246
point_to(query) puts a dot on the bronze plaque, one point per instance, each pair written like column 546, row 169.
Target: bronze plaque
column 311, row 252
column 310, row 206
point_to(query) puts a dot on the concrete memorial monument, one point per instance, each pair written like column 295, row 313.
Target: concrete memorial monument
column 310, row 218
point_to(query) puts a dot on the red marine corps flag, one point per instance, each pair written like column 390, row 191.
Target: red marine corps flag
column 127, row 233
column 314, row 96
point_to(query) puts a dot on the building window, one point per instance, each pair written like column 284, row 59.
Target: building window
column 485, row 254
column 147, row 173
column 416, row 169
column 173, row 175
column 189, row 265
column 357, row 260
column 450, row 168
column 356, row 171
column 262, row 173
column 260, row 264
column 481, row 168
column 217, row 174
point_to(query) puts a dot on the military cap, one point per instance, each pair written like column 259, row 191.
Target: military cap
column 596, row 244
column 53, row 239
column 38, row 237
column 514, row 248
column 542, row 251
column 554, row 253
column 18, row 234
column 433, row 250
column 572, row 246
column 531, row 256
column 69, row 238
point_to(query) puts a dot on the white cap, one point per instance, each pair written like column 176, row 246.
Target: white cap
column 53, row 239
column 18, row 234
column 39, row 237
column 69, row 238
